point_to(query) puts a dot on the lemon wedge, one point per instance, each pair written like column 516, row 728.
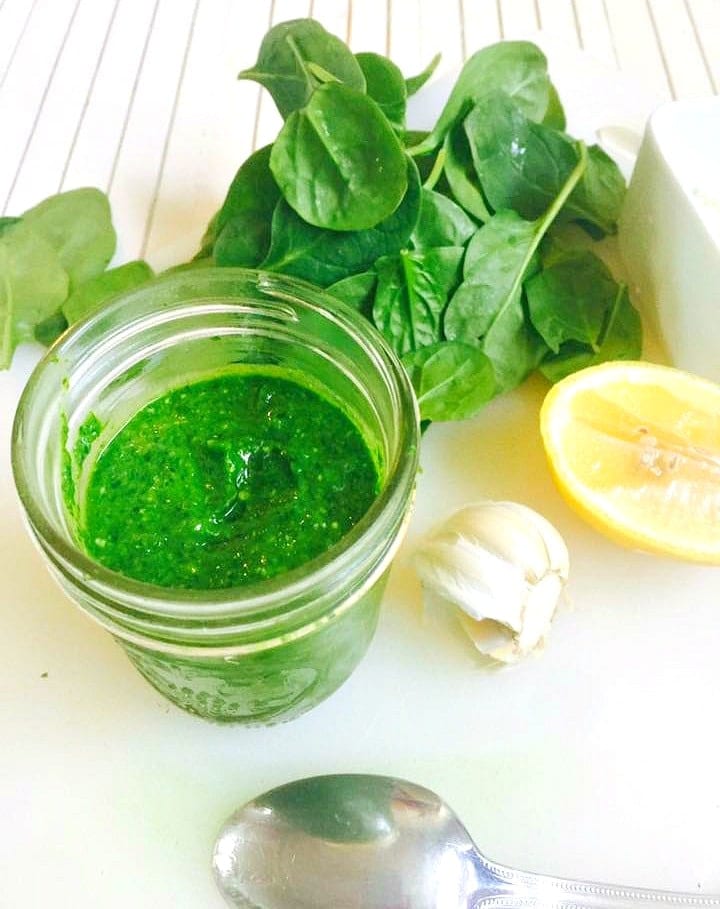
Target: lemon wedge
column 635, row 449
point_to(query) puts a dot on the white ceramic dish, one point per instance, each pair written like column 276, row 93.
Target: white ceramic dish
column 670, row 232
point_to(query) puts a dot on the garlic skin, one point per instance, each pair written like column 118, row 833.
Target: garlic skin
column 505, row 566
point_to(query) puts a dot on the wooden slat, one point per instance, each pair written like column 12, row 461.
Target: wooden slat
column 518, row 18
column 14, row 20
column 214, row 122
column 558, row 18
column 368, row 26
column 404, row 34
column 134, row 178
column 481, row 22
column 705, row 18
column 100, row 130
column 636, row 44
column 595, row 35
column 681, row 52
column 52, row 138
column 27, row 85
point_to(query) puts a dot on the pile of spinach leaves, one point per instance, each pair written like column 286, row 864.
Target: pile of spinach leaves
column 451, row 241
column 454, row 242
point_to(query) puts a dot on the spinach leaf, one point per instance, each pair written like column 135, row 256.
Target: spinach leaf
column 326, row 256
column 412, row 293
column 488, row 306
column 97, row 291
column 452, row 381
column 33, row 285
column 461, row 176
column 7, row 222
column 385, row 85
column 555, row 113
column 78, row 225
column 523, row 165
column 516, row 68
column 239, row 234
column 597, row 199
column 413, row 84
column 441, row 223
column 357, row 291
column 620, row 339
column 282, row 64
column 338, row 162
column 50, row 329
column 570, row 300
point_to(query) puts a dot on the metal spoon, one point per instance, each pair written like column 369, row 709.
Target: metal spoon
column 353, row 841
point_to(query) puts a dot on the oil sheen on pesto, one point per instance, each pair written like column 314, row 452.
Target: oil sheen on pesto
column 227, row 481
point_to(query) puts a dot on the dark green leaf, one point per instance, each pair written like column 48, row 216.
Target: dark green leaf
column 569, row 301
column 521, row 165
column 621, row 339
column 282, row 64
column 452, row 381
column 97, row 291
column 33, row 285
column 357, row 291
column 385, row 85
column 488, row 306
column 7, row 222
column 78, row 224
column 412, row 293
column 326, row 256
column 555, row 114
column 338, row 162
column 598, row 197
column 50, row 329
column 413, row 84
column 516, row 68
column 441, row 223
column 461, row 176
column 241, row 227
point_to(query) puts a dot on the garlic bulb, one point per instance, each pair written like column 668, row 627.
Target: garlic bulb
column 505, row 566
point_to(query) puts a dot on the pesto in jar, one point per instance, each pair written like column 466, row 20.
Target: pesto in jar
column 227, row 481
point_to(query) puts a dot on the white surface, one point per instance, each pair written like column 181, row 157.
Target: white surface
column 670, row 231
column 597, row 759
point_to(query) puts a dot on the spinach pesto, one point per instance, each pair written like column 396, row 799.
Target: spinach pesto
column 227, row 481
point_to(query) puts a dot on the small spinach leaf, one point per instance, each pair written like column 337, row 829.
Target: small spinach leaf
column 441, row 223
column 452, row 381
column 413, row 84
column 326, row 256
column 50, row 329
column 357, row 291
column 461, row 176
column 78, row 225
column 598, row 197
column 282, row 64
column 97, row 291
column 385, row 85
column 239, row 234
column 412, row 293
column 338, row 162
column 621, row 339
column 33, row 285
column 516, row 68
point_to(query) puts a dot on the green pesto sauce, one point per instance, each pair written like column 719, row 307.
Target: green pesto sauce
column 227, row 481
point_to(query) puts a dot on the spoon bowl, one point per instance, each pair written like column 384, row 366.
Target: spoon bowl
column 356, row 841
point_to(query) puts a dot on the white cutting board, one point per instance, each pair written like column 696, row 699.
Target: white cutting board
column 597, row 759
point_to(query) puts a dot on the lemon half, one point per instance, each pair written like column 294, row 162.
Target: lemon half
column 635, row 449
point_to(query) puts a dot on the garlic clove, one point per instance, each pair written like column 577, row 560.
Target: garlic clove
column 556, row 549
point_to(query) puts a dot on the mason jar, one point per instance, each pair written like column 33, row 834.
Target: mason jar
column 270, row 650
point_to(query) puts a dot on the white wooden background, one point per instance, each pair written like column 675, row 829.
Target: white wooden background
column 139, row 97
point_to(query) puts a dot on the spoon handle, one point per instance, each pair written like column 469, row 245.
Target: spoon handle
column 538, row 891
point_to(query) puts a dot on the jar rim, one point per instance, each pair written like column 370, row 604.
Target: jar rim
column 276, row 595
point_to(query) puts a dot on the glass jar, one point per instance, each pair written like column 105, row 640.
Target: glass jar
column 264, row 652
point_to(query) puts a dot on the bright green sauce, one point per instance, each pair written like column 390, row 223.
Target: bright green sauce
column 227, row 481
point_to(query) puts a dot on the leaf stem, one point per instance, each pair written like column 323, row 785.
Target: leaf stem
column 437, row 170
